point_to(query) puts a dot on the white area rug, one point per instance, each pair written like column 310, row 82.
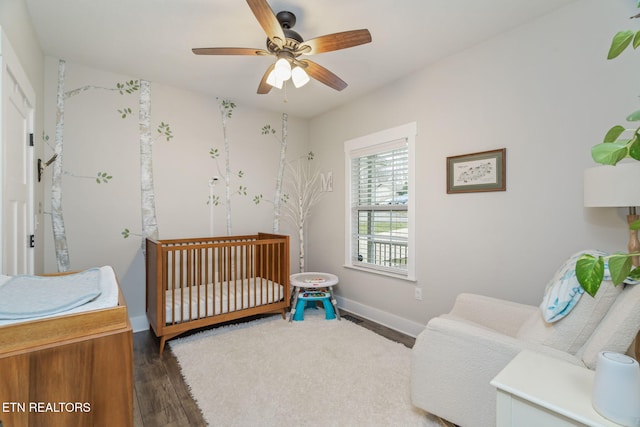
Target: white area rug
column 314, row 372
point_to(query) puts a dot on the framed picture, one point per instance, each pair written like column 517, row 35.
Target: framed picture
column 477, row 172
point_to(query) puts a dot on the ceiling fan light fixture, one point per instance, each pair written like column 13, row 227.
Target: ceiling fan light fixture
column 273, row 80
column 282, row 69
column 287, row 45
column 299, row 77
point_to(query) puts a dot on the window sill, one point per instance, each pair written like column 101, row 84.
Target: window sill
column 381, row 273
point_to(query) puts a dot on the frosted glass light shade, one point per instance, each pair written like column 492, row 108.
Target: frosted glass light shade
column 282, row 69
column 273, row 80
column 299, row 77
column 612, row 186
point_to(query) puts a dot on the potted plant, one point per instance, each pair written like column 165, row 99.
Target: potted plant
column 619, row 143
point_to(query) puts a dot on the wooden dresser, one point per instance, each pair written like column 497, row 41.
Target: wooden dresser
column 73, row 370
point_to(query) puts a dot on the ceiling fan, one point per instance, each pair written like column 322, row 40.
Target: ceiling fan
column 288, row 46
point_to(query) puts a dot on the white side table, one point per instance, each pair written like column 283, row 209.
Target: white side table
column 538, row 390
column 313, row 280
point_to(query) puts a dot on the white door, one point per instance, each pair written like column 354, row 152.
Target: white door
column 16, row 124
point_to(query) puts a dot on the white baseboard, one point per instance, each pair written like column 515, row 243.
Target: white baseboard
column 139, row 323
column 400, row 324
column 389, row 320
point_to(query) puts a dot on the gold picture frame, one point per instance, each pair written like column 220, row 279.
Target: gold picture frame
column 477, row 172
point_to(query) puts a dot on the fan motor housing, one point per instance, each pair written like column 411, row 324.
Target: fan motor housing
column 287, row 21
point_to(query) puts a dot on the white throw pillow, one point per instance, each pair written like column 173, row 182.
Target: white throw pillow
column 572, row 331
column 563, row 291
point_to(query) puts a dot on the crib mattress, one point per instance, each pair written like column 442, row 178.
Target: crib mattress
column 219, row 298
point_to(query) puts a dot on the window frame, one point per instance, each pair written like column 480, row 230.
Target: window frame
column 374, row 143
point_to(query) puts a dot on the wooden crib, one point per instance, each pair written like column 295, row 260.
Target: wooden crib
column 192, row 283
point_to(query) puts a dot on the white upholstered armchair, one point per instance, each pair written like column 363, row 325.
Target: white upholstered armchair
column 459, row 353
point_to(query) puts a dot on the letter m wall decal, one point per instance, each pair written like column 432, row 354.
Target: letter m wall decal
column 326, row 182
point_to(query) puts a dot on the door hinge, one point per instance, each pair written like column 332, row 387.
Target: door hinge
column 32, row 241
column 31, row 140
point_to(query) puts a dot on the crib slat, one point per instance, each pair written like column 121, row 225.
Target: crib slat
column 220, row 266
column 198, row 280
column 173, row 285
column 182, row 271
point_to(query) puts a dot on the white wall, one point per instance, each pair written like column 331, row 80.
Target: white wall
column 546, row 92
column 16, row 24
column 96, row 138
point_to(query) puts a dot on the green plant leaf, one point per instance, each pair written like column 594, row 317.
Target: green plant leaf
column 590, row 272
column 635, row 274
column 636, row 40
column 634, row 117
column 620, row 41
column 619, row 267
column 614, row 133
column 634, row 148
column 609, row 153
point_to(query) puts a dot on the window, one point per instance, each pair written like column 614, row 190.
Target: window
column 379, row 170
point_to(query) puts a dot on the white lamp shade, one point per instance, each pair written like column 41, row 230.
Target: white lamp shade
column 299, row 77
column 612, row 186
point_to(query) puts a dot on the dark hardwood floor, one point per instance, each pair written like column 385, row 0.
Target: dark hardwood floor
column 161, row 398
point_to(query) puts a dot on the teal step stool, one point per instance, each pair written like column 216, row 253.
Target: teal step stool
column 312, row 297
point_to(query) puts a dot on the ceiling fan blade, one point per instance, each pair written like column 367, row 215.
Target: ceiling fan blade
column 323, row 75
column 228, row 51
column 337, row 41
column 267, row 20
column 265, row 87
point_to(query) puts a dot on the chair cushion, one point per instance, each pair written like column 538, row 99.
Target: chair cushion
column 576, row 326
column 617, row 330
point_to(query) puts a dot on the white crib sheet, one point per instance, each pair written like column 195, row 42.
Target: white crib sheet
column 255, row 291
column 108, row 297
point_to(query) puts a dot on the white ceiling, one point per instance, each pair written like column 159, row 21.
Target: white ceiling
column 152, row 40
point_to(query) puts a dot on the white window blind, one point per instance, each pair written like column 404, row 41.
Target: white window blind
column 380, row 195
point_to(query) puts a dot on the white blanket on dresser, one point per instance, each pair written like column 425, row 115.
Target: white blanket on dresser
column 24, row 298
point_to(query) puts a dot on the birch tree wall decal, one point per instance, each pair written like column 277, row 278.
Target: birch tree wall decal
column 303, row 192
column 148, row 203
column 278, row 195
column 148, row 199
column 226, row 111
column 147, row 190
column 57, row 213
column 277, row 198
column 57, row 217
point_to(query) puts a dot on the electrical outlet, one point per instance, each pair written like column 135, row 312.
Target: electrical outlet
column 418, row 293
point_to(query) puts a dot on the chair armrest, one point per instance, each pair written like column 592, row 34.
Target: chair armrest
column 497, row 314
column 453, row 363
